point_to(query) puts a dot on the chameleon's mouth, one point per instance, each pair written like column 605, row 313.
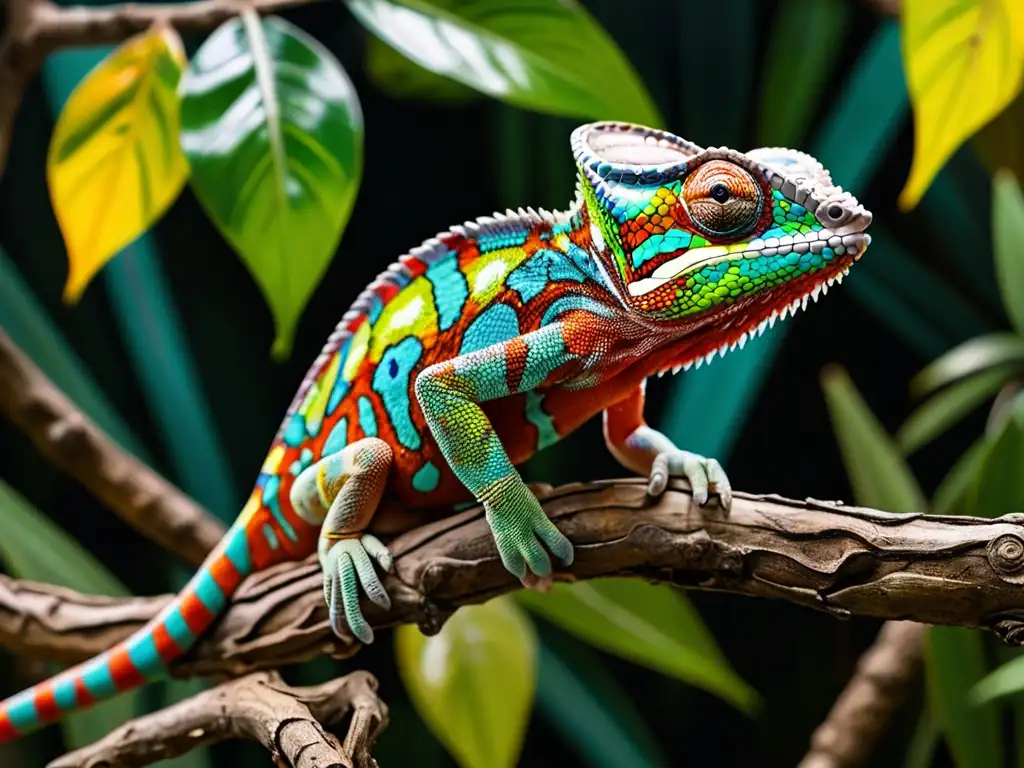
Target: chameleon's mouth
column 773, row 306
column 851, row 246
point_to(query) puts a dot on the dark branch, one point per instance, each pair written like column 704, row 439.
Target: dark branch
column 65, row 435
column 846, row 561
column 259, row 707
column 865, row 709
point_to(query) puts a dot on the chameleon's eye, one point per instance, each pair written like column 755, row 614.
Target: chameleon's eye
column 723, row 199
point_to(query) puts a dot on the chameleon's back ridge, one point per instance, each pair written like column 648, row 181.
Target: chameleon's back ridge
column 489, row 342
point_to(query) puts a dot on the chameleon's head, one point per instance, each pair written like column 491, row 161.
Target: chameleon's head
column 690, row 234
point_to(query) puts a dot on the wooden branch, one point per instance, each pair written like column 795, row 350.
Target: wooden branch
column 862, row 713
column 846, row 561
column 37, row 28
column 71, row 441
column 287, row 721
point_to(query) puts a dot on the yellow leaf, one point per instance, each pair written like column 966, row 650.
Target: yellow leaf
column 964, row 61
column 114, row 164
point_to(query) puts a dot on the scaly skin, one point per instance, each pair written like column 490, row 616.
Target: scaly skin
column 488, row 343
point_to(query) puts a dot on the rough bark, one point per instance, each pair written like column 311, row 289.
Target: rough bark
column 259, row 707
column 843, row 560
column 886, row 673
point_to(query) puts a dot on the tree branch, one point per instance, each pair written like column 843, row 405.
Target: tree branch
column 260, row 707
column 846, row 561
column 65, row 435
column 37, row 28
column 864, row 710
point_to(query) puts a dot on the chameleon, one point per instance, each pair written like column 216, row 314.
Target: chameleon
column 491, row 341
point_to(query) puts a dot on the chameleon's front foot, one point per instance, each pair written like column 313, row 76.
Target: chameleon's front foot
column 702, row 473
column 520, row 525
column 346, row 565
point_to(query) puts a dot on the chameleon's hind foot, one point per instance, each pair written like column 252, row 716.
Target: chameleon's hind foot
column 703, row 474
column 346, row 566
column 520, row 526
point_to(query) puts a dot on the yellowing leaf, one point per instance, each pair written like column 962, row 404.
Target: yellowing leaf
column 964, row 61
column 114, row 165
column 473, row 682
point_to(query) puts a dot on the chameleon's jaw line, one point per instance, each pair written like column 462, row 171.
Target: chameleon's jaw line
column 698, row 258
column 852, row 248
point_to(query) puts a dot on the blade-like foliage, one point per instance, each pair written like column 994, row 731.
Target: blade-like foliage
column 879, row 476
column 473, row 683
column 545, row 55
column 948, row 406
column 273, row 130
column 114, row 165
column 999, row 350
column 647, row 624
column 32, row 547
column 1007, row 242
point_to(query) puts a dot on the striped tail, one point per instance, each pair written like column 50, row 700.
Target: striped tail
column 142, row 657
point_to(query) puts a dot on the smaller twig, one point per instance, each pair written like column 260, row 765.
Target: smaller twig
column 864, row 710
column 290, row 722
column 62, row 433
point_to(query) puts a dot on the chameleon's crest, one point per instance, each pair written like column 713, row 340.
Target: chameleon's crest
column 685, row 231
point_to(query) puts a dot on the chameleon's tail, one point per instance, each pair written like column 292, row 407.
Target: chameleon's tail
column 142, row 657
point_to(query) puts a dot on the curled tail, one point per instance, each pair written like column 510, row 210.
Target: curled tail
column 142, row 657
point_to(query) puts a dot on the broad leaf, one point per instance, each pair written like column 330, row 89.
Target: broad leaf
column 1007, row 237
column 954, row 663
column 963, row 61
column 992, row 350
column 399, row 76
column 879, row 476
column 273, row 130
column 32, row 547
column 654, row 626
column 473, row 683
column 946, row 407
column 545, row 55
column 923, row 742
column 114, row 165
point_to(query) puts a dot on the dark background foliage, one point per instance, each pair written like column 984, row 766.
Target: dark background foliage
column 429, row 165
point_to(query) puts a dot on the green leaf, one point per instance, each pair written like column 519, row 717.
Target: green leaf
column 806, row 39
column 545, row 55
column 921, row 750
column 33, row 547
column 473, row 683
column 399, row 76
column 991, row 350
column 950, row 496
column 947, row 407
column 1007, row 236
column 580, row 697
column 997, row 486
column 1007, row 680
column 954, row 663
column 879, row 476
column 653, row 626
column 273, row 131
